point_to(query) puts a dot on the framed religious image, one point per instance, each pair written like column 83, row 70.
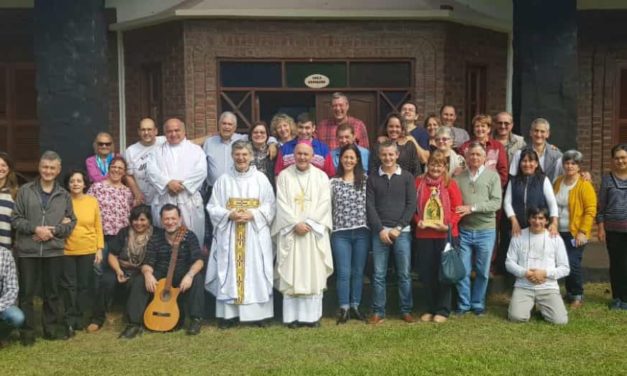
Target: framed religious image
column 434, row 212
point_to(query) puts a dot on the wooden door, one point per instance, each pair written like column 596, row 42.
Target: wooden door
column 19, row 127
column 362, row 106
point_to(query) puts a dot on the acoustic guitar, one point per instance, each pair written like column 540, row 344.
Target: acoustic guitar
column 162, row 314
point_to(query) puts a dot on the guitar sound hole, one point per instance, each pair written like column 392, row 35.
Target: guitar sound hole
column 161, row 314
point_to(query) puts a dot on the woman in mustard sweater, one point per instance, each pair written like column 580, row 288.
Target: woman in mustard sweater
column 577, row 205
column 83, row 249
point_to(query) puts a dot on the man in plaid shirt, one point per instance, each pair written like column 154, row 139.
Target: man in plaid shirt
column 10, row 316
column 326, row 129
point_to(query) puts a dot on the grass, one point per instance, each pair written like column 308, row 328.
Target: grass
column 592, row 343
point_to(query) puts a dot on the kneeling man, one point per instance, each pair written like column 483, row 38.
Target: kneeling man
column 537, row 260
column 239, row 271
column 302, row 227
column 186, row 274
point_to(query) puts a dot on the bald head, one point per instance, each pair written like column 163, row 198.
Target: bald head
column 174, row 130
column 303, row 153
column 147, row 131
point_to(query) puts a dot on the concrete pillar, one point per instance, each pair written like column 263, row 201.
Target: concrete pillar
column 70, row 44
column 545, row 67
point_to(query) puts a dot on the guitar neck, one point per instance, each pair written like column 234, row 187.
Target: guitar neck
column 173, row 257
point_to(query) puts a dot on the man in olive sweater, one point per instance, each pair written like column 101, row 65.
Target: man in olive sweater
column 390, row 204
column 481, row 194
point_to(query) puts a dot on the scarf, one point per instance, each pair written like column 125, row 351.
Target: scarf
column 424, row 187
column 104, row 167
column 136, row 245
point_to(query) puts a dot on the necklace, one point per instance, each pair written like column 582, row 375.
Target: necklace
column 301, row 197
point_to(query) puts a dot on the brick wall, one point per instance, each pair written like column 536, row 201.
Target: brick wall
column 602, row 50
column 472, row 45
column 439, row 71
column 156, row 44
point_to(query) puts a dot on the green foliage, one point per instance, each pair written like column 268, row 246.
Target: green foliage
column 592, row 343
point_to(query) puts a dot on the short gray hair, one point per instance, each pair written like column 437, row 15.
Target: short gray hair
column 444, row 131
column 225, row 114
column 241, row 144
column 50, row 155
column 541, row 121
column 476, row 145
column 572, row 155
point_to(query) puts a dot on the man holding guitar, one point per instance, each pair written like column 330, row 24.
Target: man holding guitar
column 171, row 267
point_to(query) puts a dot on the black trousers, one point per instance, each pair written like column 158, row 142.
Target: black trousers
column 76, row 283
column 106, row 289
column 618, row 263
column 41, row 274
column 437, row 294
column 191, row 302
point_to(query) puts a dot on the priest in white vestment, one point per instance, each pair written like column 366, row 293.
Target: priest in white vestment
column 302, row 226
column 177, row 170
column 239, row 271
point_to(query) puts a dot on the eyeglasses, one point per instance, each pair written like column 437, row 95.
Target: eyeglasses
column 442, row 139
column 503, row 123
column 105, row 143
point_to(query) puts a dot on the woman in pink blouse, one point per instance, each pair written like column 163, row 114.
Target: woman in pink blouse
column 115, row 201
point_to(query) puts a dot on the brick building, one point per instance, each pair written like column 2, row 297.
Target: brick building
column 195, row 59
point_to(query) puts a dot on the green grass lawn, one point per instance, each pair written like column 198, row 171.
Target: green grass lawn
column 593, row 343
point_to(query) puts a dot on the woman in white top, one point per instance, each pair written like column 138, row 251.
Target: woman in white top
column 577, row 203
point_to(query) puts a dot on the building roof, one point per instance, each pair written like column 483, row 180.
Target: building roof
column 494, row 14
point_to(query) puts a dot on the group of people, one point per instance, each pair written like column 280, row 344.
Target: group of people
column 284, row 206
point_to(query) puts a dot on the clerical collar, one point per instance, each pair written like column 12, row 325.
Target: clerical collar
column 248, row 172
column 302, row 172
column 398, row 171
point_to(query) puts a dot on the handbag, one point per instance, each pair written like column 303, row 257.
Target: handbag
column 452, row 269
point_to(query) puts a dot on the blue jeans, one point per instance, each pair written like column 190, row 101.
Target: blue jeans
column 480, row 243
column 13, row 316
column 350, row 252
column 574, row 280
column 10, row 318
column 402, row 255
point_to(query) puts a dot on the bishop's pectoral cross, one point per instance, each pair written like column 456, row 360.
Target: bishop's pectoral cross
column 300, row 200
column 240, row 242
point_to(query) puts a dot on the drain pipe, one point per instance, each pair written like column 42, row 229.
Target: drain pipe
column 121, row 91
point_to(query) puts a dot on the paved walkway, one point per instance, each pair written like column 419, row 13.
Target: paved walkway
column 596, row 263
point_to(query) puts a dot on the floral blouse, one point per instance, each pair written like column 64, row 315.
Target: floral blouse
column 115, row 205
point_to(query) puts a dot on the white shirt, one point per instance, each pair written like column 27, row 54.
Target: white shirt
column 537, row 251
column 562, row 204
column 137, row 156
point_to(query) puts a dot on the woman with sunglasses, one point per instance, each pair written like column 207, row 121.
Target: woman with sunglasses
column 98, row 164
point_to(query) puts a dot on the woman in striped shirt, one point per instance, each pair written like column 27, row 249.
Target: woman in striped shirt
column 8, row 190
